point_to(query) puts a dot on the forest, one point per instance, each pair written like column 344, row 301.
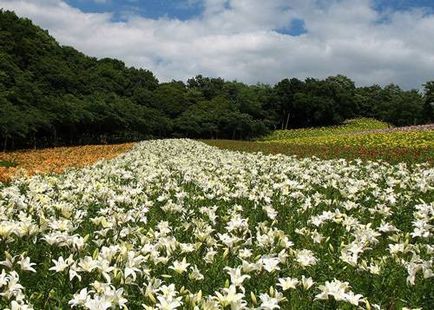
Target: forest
column 53, row 95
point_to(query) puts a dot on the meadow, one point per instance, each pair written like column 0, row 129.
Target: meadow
column 178, row 224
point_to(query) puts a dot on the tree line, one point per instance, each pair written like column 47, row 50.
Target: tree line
column 54, row 95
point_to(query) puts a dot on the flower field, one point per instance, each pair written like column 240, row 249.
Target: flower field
column 365, row 139
column 410, row 139
column 55, row 160
column 359, row 132
column 387, row 153
column 349, row 127
column 177, row 224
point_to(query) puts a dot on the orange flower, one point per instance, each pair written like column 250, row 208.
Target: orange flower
column 57, row 159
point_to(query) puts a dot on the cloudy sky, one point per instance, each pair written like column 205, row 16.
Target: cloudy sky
column 371, row 41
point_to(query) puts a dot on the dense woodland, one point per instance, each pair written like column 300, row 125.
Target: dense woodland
column 54, row 95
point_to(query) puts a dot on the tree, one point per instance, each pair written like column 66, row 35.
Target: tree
column 170, row 98
column 12, row 122
column 210, row 87
column 428, row 107
column 285, row 92
column 343, row 91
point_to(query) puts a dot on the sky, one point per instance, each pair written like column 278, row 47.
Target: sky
column 371, row 41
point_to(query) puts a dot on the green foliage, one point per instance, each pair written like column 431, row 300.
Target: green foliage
column 7, row 164
column 52, row 95
column 391, row 104
column 428, row 107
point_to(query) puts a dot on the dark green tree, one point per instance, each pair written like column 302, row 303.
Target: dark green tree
column 428, row 106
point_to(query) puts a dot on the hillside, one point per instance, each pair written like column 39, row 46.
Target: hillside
column 349, row 126
column 358, row 132
column 361, row 138
column 54, row 95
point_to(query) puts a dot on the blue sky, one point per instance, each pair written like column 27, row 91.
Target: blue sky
column 185, row 9
column 188, row 9
column 180, row 9
column 403, row 4
column 371, row 41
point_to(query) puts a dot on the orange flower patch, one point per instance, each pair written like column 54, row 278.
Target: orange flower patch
column 56, row 160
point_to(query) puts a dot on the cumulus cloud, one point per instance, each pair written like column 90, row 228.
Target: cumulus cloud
column 240, row 39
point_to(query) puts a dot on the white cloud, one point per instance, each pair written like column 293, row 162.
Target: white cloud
column 236, row 39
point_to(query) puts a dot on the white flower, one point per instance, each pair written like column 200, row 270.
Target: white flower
column 209, row 256
column 305, row 258
column 335, row 288
column 20, row 306
column 354, row 299
column 180, row 266
column 387, row 227
column 61, row 264
column 3, row 278
column 79, row 298
column 168, row 291
column 245, row 253
column 271, row 212
column 250, row 267
column 9, row 261
column 222, row 214
column 98, row 303
column 340, row 291
column 186, row 247
column 306, row 282
column 168, row 303
column 87, row 264
column 26, row 265
column 13, row 288
column 268, row 302
column 270, row 264
column 116, row 297
column 73, row 272
column 237, row 278
column 195, row 274
column 229, row 297
column 317, row 237
column 287, row 283
column 374, row 269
